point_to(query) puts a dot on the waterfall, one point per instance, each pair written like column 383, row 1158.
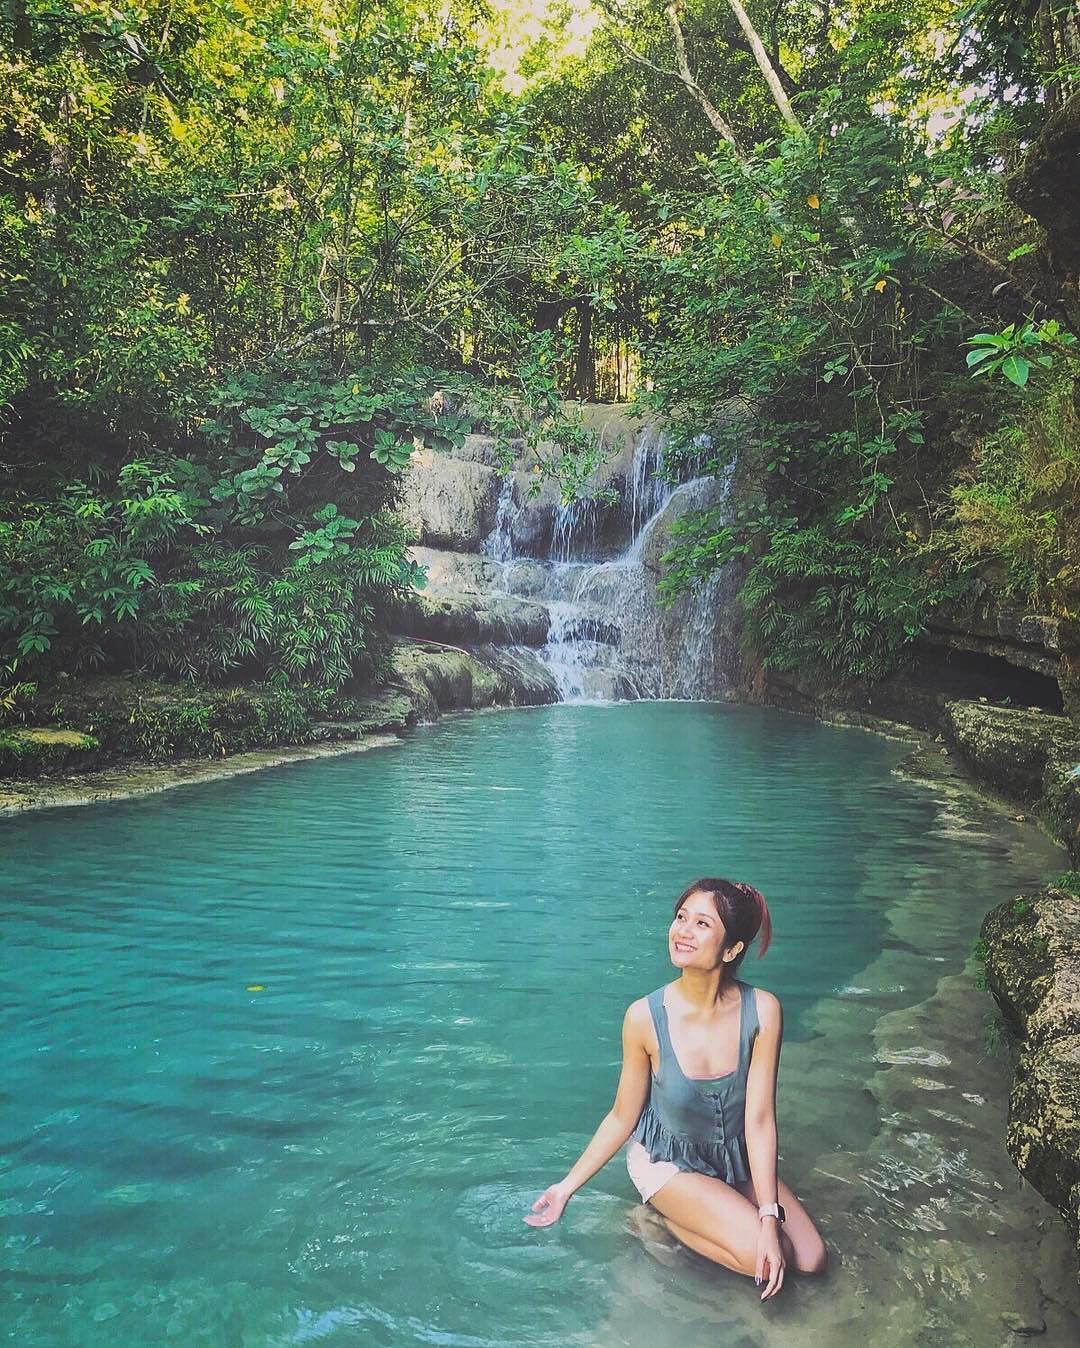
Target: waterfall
column 590, row 570
column 607, row 637
column 498, row 545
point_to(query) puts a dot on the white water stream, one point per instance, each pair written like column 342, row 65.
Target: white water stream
column 608, row 636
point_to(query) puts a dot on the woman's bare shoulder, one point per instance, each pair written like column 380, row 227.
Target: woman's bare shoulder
column 770, row 1012
column 638, row 1020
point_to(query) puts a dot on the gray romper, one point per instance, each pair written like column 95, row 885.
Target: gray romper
column 695, row 1123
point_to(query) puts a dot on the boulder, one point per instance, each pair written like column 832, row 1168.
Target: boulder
column 449, row 502
column 1033, row 963
column 442, row 679
column 1043, row 1136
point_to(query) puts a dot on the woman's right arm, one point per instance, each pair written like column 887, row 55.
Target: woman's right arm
column 616, row 1126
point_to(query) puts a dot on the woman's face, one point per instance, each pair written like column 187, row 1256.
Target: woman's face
column 696, row 936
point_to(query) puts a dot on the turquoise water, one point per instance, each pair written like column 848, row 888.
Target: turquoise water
column 444, row 936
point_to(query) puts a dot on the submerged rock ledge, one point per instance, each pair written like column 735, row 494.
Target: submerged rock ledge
column 1029, row 759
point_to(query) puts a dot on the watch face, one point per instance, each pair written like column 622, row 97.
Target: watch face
column 781, row 1213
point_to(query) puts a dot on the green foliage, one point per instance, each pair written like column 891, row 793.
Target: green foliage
column 1018, row 349
column 212, row 726
column 843, row 606
column 1016, row 503
column 1069, row 882
column 241, row 250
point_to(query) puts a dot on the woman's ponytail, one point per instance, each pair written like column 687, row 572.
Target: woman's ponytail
column 764, row 921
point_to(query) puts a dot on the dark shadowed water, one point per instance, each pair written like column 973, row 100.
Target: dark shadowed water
column 287, row 1057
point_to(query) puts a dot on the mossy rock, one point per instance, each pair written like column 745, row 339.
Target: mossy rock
column 1044, row 1124
column 34, row 751
column 473, row 618
column 1010, row 747
column 445, row 680
column 1032, row 954
column 1032, row 948
column 442, row 679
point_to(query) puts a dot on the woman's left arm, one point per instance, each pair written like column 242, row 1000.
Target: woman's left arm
column 761, row 1134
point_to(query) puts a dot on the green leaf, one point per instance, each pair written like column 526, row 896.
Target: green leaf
column 1016, row 369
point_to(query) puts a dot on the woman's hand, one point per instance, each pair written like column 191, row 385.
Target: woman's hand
column 770, row 1258
column 548, row 1208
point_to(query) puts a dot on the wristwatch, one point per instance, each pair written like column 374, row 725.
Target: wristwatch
column 772, row 1210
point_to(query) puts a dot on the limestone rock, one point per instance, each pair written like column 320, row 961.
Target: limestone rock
column 449, row 502
column 479, row 449
column 450, row 572
column 698, row 495
column 1044, row 1123
column 1033, row 963
column 473, row 618
column 1033, row 969
column 451, row 680
column 1027, row 640
column 1010, row 747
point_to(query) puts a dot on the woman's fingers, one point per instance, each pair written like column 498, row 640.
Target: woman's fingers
column 759, row 1271
column 544, row 1211
column 776, row 1279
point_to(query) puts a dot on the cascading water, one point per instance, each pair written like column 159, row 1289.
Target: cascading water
column 607, row 634
column 592, row 569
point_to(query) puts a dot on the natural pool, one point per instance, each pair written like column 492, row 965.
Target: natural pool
column 444, row 936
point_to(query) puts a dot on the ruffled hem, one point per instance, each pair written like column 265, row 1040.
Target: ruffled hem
column 723, row 1160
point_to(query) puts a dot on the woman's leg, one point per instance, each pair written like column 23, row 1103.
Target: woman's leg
column 810, row 1255
column 711, row 1218
column 721, row 1223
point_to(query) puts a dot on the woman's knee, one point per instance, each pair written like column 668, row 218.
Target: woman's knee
column 811, row 1256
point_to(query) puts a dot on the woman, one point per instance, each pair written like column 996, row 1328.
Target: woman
column 697, row 1095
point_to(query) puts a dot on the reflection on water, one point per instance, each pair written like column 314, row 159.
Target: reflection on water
column 444, row 938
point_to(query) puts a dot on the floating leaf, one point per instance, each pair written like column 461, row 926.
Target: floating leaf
column 813, row 202
column 881, row 285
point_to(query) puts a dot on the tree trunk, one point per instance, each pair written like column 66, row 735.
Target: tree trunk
column 768, row 70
